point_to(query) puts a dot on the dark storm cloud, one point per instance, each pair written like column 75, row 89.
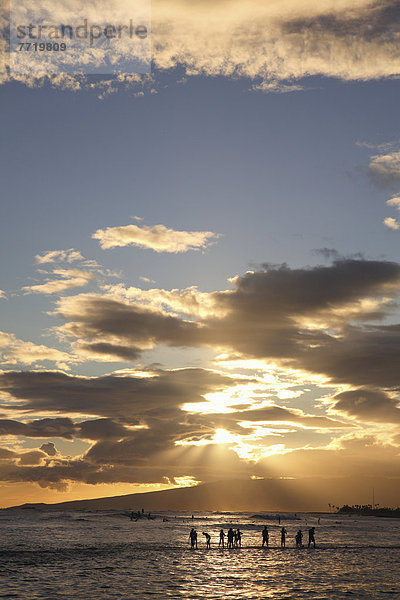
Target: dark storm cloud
column 121, row 452
column 267, row 316
column 10, row 458
column 205, row 463
column 34, row 457
column 41, row 428
column 362, row 356
column 271, row 314
column 143, row 446
column 64, row 427
column 126, row 398
column 114, row 350
column 96, row 317
column 49, row 448
column 368, row 405
column 354, row 455
column 282, row 291
column 100, row 429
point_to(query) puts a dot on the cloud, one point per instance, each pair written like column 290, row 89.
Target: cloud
column 61, row 277
column 391, row 223
column 327, row 253
column 158, row 238
column 394, row 201
column 140, row 441
column 22, row 459
column 49, row 448
column 100, row 319
column 111, row 462
column 332, row 324
column 189, row 301
column 132, row 396
column 385, row 168
column 57, row 427
column 52, row 256
column 134, row 440
column 101, row 429
column 14, row 351
column 277, row 41
column 69, row 279
column 106, row 352
column 247, row 423
column 277, row 87
column 270, row 42
column 145, row 421
column 368, row 405
column 318, row 319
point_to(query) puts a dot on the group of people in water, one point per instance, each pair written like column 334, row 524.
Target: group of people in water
column 234, row 538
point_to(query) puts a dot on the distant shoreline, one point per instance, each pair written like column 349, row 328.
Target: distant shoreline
column 368, row 511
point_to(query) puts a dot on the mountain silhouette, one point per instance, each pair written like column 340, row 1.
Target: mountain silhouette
column 285, row 495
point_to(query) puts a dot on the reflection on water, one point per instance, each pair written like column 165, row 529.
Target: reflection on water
column 105, row 555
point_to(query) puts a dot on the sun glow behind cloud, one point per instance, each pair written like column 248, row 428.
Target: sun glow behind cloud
column 247, row 447
column 227, row 401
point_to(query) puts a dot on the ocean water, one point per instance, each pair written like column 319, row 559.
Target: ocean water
column 104, row 555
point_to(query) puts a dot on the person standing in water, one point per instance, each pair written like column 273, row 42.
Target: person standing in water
column 265, row 536
column 208, row 539
column 193, row 538
column 239, row 537
column 221, row 539
column 230, row 538
column 283, row 537
column 299, row 539
column 311, row 538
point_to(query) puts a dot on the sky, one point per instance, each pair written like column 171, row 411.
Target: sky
column 199, row 263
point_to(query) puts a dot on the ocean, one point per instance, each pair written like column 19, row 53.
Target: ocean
column 104, row 555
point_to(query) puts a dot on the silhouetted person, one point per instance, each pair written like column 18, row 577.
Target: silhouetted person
column 208, row 539
column 279, row 519
column 319, row 520
column 132, row 516
column 239, row 538
column 230, row 538
column 299, row 539
column 311, row 538
column 193, row 538
column 265, row 536
column 221, row 538
column 283, row 537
